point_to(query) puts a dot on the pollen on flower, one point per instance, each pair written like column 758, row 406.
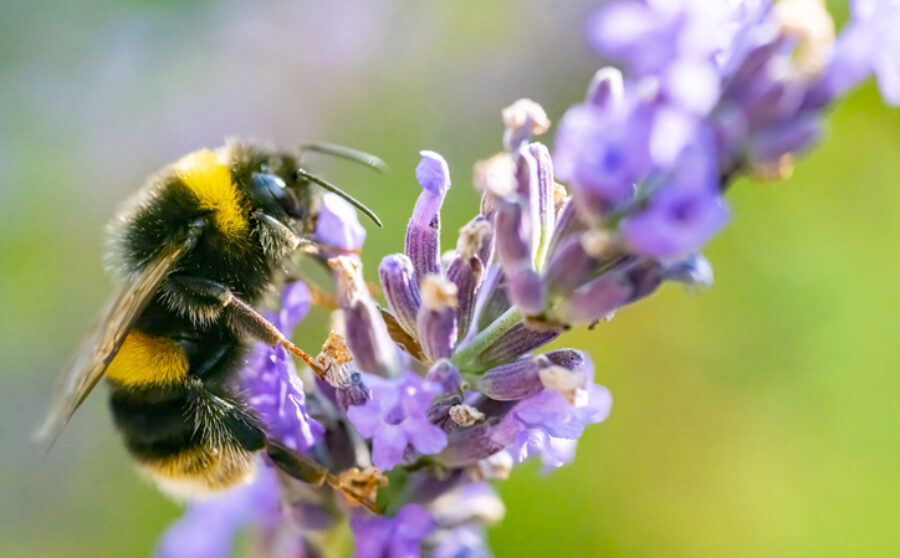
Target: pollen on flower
column 471, row 237
column 560, row 197
column 597, row 243
column 466, row 415
column 809, row 22
column 349, row 279
column 776, row 170
column 333, row 359
column 527, row 114
column 565, row 381
column 363, row 483
column 438, row 293
column 495, row 467
column 495, row 175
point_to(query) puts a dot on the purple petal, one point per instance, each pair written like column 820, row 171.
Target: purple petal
column 338, row 224
column 436, row 322
column 427, row 438
column 593, row 405
column 413, row 522
column 388, row 446
column 445, row 375
column 295, row 302
column 366, row 418
column 550, row 411
column 433, row 173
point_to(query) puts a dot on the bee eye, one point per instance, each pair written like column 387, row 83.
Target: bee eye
column 271, row 191
column 267, row 183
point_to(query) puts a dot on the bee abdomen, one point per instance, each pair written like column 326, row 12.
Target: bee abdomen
column 184, row 456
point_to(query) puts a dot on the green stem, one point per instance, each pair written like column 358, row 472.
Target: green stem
column 466, row 356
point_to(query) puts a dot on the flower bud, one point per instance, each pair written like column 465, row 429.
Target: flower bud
column 437, row 317
column 519, row 340
column 607, row 88
column 401, row 290
column 523, row 378
column 424, row 229
column 595, row 299
column 523, row 119
column 367, row 334
column 444, row 374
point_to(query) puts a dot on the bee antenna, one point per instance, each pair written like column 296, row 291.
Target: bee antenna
column 348, row 153
column 332, row 188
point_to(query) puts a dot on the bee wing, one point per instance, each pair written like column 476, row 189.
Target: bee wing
column 105, row 339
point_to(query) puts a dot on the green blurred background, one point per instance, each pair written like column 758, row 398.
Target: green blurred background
column 758, row 418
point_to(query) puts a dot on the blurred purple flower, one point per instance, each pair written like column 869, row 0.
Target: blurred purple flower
column 338, row 224
column 869, row 44
column 208, row 527
column 270, row 380
column 392, row 537
column 602, row 153
column 397, row 417
column 685, row 212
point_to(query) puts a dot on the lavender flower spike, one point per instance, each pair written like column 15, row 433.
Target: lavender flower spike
column 424, row 229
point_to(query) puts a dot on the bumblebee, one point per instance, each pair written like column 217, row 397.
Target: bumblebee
column 198, row 246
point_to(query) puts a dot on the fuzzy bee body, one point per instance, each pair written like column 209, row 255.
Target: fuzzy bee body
column 196, row 249
column 172, row 402
column 171, row 392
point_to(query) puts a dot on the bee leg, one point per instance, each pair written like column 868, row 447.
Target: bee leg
column 310, row 471
column 243, row 316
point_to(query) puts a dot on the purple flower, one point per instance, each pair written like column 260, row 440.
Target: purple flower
column 674, row 42
column 684, row 212
column 338, row 224
column 869, row 44
column 602, row 152
column 208, row 527
column 392, row 537
column 272, row 385
column 397, row 417
column 544, row 424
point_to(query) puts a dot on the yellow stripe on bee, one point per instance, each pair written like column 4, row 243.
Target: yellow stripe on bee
column 204, row 173
column 200, row 472
column 145, row 361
